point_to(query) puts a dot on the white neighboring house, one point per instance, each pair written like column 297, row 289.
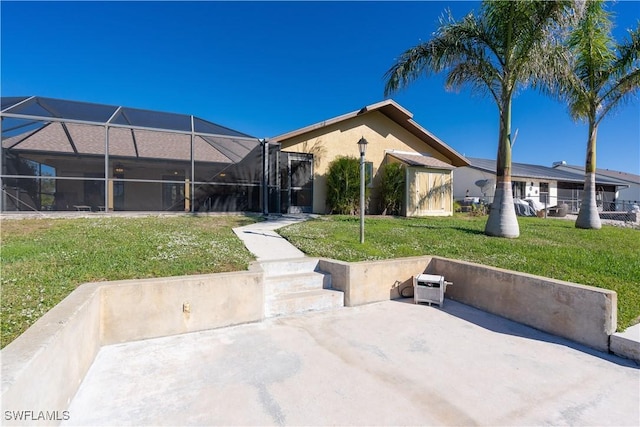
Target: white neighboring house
column 625, row 197
column 541, row 184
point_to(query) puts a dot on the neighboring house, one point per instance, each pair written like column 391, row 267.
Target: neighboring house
column 392, row 136
column 544, row 185
column 626, row 197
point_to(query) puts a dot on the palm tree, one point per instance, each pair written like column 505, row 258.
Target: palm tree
column 506, row 47
column 604, row 75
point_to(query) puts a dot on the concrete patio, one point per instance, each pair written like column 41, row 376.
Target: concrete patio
column 388, row 363
column 130, row 353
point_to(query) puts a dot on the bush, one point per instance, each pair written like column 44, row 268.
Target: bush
column 392, row 187
column 343, row 185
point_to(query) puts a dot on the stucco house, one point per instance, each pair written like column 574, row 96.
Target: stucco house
column 545, row 185
column 62, row 155
column 392, row 135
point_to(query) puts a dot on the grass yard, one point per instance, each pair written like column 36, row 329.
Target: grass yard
column 43, row 260
column 607, row 258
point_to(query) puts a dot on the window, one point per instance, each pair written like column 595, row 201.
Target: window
column 519, row 189
column 368, row 174
column 544, row 192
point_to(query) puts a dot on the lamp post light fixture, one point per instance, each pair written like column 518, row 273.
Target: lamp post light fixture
column 362, row 145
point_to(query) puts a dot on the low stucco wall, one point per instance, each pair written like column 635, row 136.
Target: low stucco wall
column 583, row 314
column 139, row 309
column 372, row 281
column 43, row 368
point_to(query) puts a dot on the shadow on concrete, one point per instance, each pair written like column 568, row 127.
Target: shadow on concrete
column 503, row 325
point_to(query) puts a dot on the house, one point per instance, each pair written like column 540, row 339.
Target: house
column 544, row 185
column 63, row 155
column 392, row 136
column 625, row 198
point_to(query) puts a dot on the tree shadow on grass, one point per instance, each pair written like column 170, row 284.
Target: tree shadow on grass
column 448, row 227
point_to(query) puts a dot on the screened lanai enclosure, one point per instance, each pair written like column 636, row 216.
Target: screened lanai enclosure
column 60, row 155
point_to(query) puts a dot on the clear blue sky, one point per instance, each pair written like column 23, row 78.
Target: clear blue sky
column 267, row 68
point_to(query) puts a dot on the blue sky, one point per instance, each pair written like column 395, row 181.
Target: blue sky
column 266, row 68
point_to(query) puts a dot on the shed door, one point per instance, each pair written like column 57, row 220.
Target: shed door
column 429, row 192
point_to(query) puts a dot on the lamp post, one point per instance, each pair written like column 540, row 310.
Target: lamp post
column 362, row 145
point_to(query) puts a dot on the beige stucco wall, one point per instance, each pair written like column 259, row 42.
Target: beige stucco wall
column 139, row 309
column 341, row 139
column 581, row 313
column 372, row 281
column 43, row 368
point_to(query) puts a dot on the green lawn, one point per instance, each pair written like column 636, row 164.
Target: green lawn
column 607, row 258
column 43, row 260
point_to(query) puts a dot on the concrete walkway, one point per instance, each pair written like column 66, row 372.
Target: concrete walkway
column 267, row 245
column 389, row 363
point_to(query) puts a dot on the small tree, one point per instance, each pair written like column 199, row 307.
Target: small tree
column 606, row 74
column 392, row 185
column 343, row 185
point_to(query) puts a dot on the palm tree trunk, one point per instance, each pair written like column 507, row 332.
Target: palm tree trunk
column 502, row 220
column 589, row 217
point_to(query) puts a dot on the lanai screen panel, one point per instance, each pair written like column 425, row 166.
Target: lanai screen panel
column 155, row 160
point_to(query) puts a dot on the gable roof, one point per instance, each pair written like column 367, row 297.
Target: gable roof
column 420, row 160
column 524, row 170
column 399, row 115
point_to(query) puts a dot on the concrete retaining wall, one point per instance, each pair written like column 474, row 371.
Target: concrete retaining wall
column 43, row 368
column 140, row 309
column 372, row 281
column 583, row 314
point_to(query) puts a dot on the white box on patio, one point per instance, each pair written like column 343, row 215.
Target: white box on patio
column 429, row 288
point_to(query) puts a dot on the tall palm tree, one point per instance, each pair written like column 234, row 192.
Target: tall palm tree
column 506, row 47
column 604, row 75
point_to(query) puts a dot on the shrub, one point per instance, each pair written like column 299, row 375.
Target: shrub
column 343, row 185
column 392, row 188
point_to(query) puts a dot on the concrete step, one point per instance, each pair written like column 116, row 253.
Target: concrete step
column 299, row 302
column 289, row 266
column 275, row 285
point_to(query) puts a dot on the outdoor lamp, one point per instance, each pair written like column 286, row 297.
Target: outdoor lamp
column 362, row 145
